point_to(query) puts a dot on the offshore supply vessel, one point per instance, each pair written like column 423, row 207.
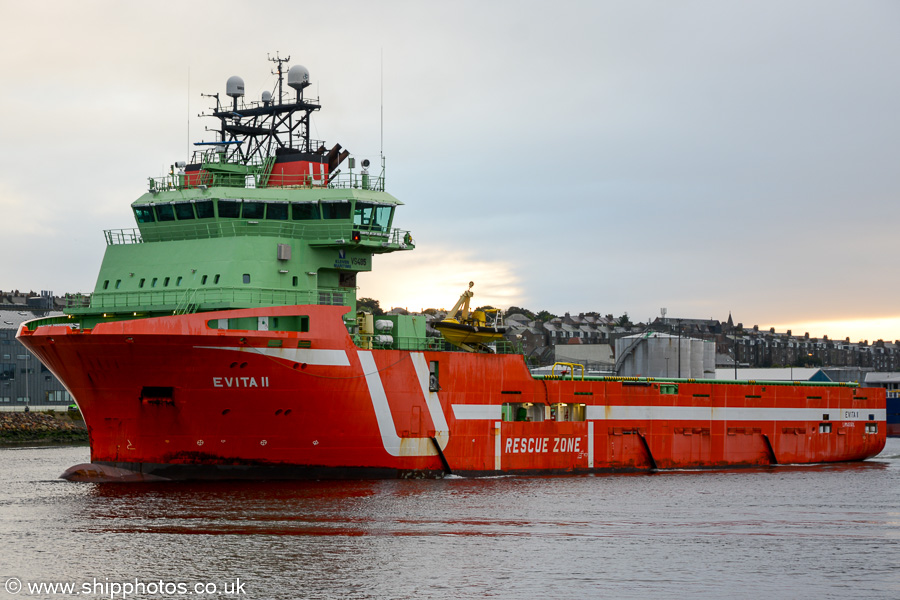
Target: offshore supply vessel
column 222, row 341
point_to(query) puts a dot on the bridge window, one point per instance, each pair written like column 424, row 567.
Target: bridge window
column 229, row 209
column 143, row 214
column 204, row 209
column 203, row 280
column 153, row 283
column 178, row 281
column 305, row 211
column 277, row 212
column 254, row 210
column 375, row 217
column 246, row 277
column 184, row 211
column 106, row 284
column 382, row 218
column 339, row 209
column 164, row 212
column 141, row 284
column 166, row 282
column 362, row 216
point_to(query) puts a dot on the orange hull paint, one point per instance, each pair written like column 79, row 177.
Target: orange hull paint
column 175, row 398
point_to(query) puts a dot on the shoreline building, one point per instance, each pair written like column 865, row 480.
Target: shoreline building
column 24, row 380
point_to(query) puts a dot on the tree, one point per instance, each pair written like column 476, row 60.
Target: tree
column 624, row 321
column 517, row 310
column 369, row 305
column 544, row 316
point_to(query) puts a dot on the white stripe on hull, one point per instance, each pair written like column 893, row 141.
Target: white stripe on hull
column 310, row 356
column 466, row 412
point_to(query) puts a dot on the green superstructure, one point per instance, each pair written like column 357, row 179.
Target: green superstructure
column 263, row 217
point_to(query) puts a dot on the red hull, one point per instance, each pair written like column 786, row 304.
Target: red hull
column 173, row 397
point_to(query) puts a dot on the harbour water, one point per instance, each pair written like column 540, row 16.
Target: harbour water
column 827, row 531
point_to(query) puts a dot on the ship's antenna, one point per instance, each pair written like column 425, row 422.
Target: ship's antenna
column 381, row 150
column 188, row 140
column 278, row 71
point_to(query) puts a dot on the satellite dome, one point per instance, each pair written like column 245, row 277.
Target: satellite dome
column 298, row 77
column 234, row 87
column 266, row 97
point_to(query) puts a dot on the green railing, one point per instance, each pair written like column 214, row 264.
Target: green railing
column 194, row 299
column 315, row 233
column 376, row 342
column 651, row 380
column 256, row 177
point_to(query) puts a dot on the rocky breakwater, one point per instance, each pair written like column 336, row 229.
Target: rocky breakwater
column 32, row 427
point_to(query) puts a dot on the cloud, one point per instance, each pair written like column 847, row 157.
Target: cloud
column 435, row 278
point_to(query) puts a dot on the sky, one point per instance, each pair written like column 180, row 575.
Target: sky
column 705, row 157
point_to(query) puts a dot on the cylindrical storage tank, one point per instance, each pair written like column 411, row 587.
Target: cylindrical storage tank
column 709, row 360
column 696, row 359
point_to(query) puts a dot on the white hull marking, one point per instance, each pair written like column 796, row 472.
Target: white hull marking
column 393, row 443
column 691, row 413
column 310, row 356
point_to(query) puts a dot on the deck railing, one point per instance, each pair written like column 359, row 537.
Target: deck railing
column 257, row 178
column 377, row 341
column 193, row 299
column 199, row 229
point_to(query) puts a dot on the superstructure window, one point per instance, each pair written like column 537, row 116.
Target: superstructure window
column 164, row 212
column 166, row 282
column 246, row 277
column 229, row 209
column 381, row 219
column 305, row 211
column 184, row 211
column 141, row 284
column 336, row 210
column 203, row 280
column 178, row 281
column 216, row 278
column 153, row 283
column 254, row 210
column 277, row 212
column 371, row 216
column 204, row 209
column 362, row 216
column 143, row 214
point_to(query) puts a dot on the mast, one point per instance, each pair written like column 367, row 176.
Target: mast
column 251, row 132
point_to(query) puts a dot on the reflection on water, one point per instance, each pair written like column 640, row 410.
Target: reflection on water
column 787, row 531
